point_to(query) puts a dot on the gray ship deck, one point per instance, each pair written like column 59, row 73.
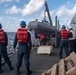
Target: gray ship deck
column 39, row 63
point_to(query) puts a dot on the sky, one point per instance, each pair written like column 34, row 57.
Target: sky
column 12, row 12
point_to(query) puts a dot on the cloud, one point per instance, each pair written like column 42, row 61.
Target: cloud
column 72, row 11
column 32, row 6
column 11, row 24
column 1, row 1
column 65, row 13
column 13, row 10
column 65, row 10
column 61, row 11
column 28, row 9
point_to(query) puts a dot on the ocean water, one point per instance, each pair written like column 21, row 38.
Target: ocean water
column 11, row 36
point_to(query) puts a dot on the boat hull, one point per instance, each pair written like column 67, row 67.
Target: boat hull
column 41, row 27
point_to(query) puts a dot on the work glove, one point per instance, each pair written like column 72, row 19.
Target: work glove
column 15, row 51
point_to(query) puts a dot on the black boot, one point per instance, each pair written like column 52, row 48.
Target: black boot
column 17, row 71
column 11, row 68
column 1, row 70
column 29, row 71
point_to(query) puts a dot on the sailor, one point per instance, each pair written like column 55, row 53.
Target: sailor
column 64, row 41
column 70, row 41
column 23, row 38
column 43, row 39
column 3, row 48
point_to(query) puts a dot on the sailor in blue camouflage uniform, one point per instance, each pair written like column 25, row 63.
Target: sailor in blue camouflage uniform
column 3, row 48
column 23, row 38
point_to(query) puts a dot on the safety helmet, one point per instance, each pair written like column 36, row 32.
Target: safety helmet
column 22, row 23
column 0, row 25
column 63, row 26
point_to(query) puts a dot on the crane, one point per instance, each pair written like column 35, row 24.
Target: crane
column 51, row 24
column 47, row 10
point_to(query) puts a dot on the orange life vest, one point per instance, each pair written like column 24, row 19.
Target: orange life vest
column 64, row 34
column 22, row 35
column 41, row 37
column 2, row 38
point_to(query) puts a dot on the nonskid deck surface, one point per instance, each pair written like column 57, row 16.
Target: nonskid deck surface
column 39, row 63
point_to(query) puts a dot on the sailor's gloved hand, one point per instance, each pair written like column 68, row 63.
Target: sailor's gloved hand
column 15, row 50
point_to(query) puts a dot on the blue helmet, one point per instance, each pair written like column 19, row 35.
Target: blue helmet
column 23, row 23
column 63, row 26
column 0, row 25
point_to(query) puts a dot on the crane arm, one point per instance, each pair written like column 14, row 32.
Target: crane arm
column 47, row 9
